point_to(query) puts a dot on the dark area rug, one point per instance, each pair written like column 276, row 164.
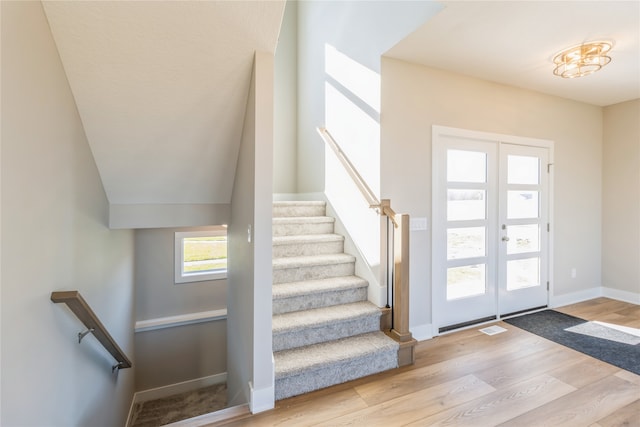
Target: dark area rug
column 551, row 325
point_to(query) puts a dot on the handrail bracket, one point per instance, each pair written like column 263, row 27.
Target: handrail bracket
column 84, row 334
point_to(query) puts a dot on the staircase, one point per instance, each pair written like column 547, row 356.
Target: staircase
column 325, row 332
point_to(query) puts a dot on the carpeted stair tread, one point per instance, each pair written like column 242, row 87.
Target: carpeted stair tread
column 303, row 220
column 310, row 294
column 318, row 317
column 288, row 226
column 307, row 244
column 325, row 331
column 310, row 287
column 311, row 260
column 300, row 208
column 305, row 359
column 307, row 238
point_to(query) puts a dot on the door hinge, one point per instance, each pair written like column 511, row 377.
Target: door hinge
column 549, row 167
column 547, row 285
column 548, row 227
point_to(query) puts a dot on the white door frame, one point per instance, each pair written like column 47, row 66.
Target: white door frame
column 441, row 132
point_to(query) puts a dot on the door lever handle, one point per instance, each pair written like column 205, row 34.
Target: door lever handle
column 505, row 238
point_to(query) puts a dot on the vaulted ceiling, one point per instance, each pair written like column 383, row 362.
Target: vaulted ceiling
column 161, row 88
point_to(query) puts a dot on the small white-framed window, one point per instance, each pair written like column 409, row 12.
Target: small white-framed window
column 201, row 255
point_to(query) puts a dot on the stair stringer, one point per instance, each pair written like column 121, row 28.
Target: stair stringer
column 377, row 292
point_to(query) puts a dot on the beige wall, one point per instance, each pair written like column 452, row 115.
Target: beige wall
column 181, row 353
column 621, row 200
column 249, row 353
column 415, row 97
column 55, row 237
column 200, row 348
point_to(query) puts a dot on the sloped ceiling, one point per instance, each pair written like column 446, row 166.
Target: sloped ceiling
column 161, row 88
column 514, row 42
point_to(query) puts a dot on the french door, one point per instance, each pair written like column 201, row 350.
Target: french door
column 490, row 255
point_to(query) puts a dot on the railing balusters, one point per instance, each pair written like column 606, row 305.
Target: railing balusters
column 83, row 311
column 397, row 257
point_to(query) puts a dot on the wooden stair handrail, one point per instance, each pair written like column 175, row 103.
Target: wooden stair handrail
column 398, row 249
column 83, row 311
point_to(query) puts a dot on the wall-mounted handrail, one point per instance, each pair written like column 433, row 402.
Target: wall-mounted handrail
column 83, row 311
column 397, row 256
column 370, row 197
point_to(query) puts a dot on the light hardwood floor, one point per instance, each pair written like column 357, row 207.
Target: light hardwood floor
column 467, row 378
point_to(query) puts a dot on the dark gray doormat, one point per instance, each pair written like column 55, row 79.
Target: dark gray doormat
column 551, row 325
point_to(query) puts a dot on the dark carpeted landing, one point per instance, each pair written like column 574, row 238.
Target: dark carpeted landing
column 180, row 407
column 551, row 325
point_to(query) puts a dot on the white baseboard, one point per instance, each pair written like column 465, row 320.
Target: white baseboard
column 422, row 332
column 261, row 399
column 212, row 418
column 378, row 295
column 574, row 297
column 600, row 291
column 630, row 297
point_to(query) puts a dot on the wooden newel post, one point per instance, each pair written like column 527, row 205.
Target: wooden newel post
column 400, row 329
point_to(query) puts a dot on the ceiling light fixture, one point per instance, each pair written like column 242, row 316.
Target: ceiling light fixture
column 582, row 60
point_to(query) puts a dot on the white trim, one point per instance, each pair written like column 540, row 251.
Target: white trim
column 422, row 332
column 180, row 320
column 169, row 390
column 574, row 297
column 213, row 417
column 199, row 276
column 630, row 297
column 261, row 400
column 437, row 133
column 597, row 292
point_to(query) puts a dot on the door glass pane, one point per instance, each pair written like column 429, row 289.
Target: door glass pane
column 466, row 281
column 523, row 238
column 523, row 170
column 465, row 205
column 466, row 166
column 522, row 204
column 466, row 242
column 523, row 273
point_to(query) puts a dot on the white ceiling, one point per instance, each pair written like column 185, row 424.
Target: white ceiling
column 161, row 86
column 513, row 42
column 157, row 84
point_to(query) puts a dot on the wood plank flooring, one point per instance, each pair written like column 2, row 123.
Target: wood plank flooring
column 467, row 378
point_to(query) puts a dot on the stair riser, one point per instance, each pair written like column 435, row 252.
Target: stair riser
column 298, row 211
column 324, row 299
column 306, row 249
column 297, row 274
column 302, row 228
column 335, row 374
column 332, row 331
